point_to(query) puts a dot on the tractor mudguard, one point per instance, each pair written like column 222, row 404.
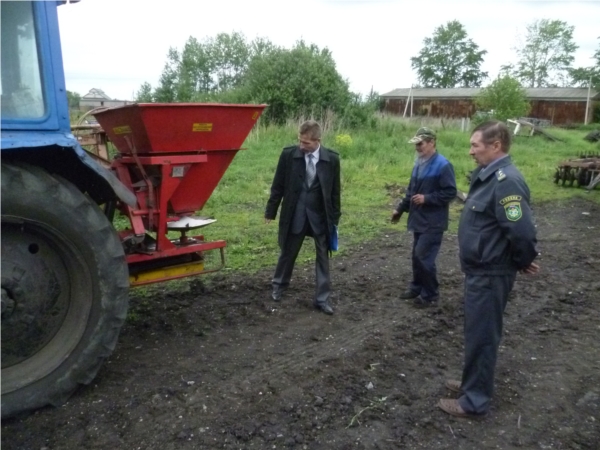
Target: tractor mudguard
column 43, row 149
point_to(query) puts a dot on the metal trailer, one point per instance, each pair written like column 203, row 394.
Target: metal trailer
column 66, row 271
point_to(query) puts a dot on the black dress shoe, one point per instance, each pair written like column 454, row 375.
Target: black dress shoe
column 277, row 294
column 325, row 307
column 408, row 294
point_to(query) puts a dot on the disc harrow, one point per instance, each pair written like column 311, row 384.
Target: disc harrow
column 582, row 172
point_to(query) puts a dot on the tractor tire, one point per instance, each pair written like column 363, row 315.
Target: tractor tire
column 64, row 288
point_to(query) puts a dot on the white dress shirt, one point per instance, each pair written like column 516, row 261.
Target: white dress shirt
column 316, row 154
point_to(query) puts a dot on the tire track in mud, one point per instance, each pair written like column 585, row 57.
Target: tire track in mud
column 304, row 352
column 349, row 339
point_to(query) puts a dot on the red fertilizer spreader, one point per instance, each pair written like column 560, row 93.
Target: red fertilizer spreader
column 172, row 156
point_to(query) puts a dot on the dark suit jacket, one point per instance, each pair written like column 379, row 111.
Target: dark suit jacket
column 288, row 181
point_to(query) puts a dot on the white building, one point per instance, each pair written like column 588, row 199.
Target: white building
column 96, row 98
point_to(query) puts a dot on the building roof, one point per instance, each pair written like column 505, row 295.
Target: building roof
column 96, row 93
column 562, row 93
column 456, row 93
column 433, row 93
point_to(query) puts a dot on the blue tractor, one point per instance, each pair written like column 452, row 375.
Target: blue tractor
column 64, row 272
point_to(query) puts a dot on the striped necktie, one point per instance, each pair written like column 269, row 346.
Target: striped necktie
column 311, row 170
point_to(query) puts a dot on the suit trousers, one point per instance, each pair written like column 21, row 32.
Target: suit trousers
column 425, row 250
column 287, row 260
column 485, row 301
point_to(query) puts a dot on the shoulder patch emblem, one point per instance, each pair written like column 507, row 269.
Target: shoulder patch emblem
column 500, row 175
column 513, row 211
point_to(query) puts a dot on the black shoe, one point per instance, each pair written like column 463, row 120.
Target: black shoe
column 408, row 294
column 420, row 303
column 277, row 294
column 325, row 307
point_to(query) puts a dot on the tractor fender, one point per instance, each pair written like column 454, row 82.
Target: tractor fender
column 62, row 154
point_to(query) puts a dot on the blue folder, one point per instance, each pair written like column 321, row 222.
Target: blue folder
column 333, row 241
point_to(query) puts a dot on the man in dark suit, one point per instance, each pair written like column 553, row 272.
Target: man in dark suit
column 307, row 179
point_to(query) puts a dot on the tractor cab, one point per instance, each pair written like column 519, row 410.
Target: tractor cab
column 33, row 96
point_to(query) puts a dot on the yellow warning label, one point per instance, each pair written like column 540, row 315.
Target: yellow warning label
column 255, row 115
column 202, row 127
column 125, row 129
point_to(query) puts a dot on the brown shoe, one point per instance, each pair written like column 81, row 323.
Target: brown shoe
column 452, row 407
column 453, row 385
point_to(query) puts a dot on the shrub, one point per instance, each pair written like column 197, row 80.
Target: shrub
column 343, row 141
column 503, row 99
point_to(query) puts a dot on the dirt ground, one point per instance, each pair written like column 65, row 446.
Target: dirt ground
column 221, row 366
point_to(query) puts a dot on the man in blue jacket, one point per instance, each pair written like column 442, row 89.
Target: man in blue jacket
column 431, row 189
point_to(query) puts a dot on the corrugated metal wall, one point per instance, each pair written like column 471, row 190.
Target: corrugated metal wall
column 558, row 112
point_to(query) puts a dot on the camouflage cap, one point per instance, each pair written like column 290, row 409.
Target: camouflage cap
column 422, row 133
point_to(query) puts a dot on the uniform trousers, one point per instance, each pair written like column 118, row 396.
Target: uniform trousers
column 425, row 250
column 485, row 300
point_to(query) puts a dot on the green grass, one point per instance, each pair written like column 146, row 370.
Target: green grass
column 375, row 158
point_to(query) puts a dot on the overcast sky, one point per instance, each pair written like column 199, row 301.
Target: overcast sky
column 116, row 45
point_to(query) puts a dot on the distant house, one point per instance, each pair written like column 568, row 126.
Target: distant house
column 558, row 105
column 96, row 98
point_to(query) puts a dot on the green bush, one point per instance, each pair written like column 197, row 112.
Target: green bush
column 503, row 99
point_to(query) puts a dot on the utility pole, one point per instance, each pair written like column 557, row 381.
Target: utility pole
column 587, row 103
column 407, row 100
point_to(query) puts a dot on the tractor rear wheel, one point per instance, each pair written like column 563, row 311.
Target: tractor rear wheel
column 64, row 288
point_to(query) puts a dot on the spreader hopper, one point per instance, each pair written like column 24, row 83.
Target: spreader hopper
column 172, row 156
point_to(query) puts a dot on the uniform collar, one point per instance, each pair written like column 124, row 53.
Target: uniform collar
column 491, row 168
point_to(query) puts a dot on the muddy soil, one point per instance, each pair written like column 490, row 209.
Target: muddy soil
column 221, row 366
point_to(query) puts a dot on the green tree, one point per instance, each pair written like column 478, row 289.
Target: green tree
column 230, row 55
column 144, row 95
column 581, row 76
column 300, row 81
column 194, row 71
column 261, row 46
column 449, row 59
column 167, row 84
column 374, row 101
column 546, row 57
column 505, row 97
column 73, row 98
column 360, row 110
column 206, row 69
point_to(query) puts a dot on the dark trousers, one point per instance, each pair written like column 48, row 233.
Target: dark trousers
column 287, row 259
column 425, row 249
column 485, row 300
